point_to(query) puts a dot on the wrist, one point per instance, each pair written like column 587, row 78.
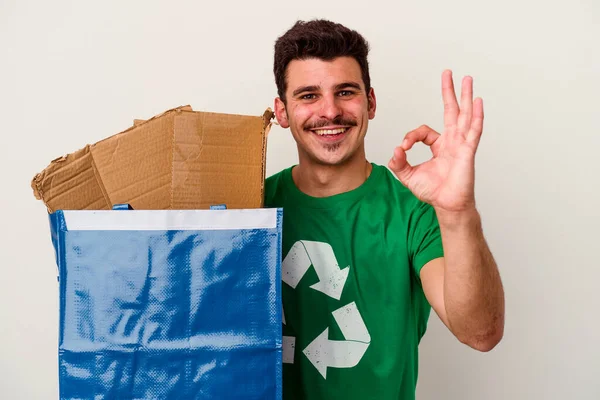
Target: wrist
column 452, row 219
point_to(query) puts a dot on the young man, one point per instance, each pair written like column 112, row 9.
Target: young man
column 366, row 255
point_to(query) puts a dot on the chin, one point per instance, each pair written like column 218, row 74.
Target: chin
column 331, row 159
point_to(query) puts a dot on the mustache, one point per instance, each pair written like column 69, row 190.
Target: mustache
column 326, row 122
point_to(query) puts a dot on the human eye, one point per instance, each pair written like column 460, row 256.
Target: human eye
column 345, row 93
column 308, row 96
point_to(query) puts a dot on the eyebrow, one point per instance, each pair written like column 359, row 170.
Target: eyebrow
column 315, row 88
column 302, row 89
column 348, row 85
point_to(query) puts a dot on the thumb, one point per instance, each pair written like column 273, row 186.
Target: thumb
column 400, row 166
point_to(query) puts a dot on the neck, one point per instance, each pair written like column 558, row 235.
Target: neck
column 319, row 180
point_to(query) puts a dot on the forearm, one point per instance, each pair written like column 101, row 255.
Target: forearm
column 473, row 293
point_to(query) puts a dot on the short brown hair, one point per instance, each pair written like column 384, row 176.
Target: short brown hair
column 320, row 39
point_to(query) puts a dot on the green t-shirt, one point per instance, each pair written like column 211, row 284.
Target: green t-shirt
column 353, row 306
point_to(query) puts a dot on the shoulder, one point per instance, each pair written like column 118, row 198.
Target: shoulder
column 392, row 185
column 273, row 187
column 398, row 196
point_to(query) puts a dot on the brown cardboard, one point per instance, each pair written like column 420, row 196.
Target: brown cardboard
column 181, row 159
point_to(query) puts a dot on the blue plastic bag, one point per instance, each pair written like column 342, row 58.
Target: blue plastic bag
column 169, row 304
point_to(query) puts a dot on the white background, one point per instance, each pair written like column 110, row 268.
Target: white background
column 74, row 72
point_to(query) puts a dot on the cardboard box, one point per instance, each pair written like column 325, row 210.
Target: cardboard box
column 180, row 159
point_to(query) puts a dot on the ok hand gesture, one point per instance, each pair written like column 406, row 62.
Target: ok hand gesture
column 446, row 181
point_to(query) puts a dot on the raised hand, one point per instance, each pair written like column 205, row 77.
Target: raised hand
column 447, row 180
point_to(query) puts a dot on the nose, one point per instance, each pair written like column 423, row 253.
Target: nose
column 330, row 107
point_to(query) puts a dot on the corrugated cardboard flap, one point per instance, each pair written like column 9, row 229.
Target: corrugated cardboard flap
column 71, row 182
column 180, row 159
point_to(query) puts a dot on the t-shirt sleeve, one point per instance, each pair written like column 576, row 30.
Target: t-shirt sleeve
column 424, row 237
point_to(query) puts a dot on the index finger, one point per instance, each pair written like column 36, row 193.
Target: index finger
column 422, row 134
column 449, row 98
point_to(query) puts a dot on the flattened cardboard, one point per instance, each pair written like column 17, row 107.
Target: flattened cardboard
column 181, row 159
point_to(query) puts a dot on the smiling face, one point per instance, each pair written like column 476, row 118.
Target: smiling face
column 327, row 109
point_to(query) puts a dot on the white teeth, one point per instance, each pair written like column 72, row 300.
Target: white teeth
column 330, row 131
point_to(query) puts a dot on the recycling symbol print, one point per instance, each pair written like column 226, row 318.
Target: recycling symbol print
column 322, row 352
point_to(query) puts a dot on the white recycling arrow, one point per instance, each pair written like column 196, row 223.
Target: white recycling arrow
column 288, row 349
column 288, row 344
column 324, row 353
column 320, row 255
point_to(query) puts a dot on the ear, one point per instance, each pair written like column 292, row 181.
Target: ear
column 372, row 103
column 281, row 113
